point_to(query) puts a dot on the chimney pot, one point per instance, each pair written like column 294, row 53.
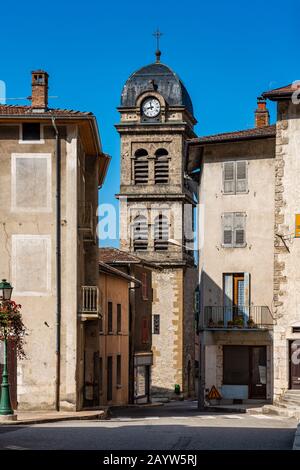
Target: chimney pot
column 39, row 90
column 262, row 116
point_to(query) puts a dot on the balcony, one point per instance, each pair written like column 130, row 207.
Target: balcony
column 89, row 303
column 237, row 318
column 86, row 221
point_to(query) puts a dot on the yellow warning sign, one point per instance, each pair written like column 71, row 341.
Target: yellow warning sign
column 214, row 394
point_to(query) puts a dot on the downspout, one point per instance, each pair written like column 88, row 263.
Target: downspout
column 58, row 264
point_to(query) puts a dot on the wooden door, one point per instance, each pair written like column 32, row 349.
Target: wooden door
column 258, row 372
column 295, row 365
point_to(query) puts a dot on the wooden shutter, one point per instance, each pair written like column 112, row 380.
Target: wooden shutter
column 246, row 297
column 228, row 297
column 145, row 330
column 239, row 229
column 228, row 178
column 227, row 219
column 241, row 177
column 144, row 286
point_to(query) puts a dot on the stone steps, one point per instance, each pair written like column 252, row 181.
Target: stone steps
column 290, row 412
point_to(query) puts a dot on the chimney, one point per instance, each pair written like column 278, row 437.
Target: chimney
column 262, row 116
column 39, row 90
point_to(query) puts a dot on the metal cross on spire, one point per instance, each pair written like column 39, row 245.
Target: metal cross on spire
column 157, row 34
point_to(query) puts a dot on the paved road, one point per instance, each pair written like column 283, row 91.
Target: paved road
column 174, row 426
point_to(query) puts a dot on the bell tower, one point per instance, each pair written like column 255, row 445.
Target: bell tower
column 156, row 214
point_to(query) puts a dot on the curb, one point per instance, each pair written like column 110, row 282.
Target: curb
column 135, row 406
column 222, row 409
column 296, row 445
column 98, row 416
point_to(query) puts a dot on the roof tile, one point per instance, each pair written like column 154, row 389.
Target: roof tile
column 257, row 132
column 16, row 110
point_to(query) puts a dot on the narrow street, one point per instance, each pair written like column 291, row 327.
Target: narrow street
column 177, row 426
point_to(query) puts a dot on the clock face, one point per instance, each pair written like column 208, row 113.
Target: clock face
column 151, row 107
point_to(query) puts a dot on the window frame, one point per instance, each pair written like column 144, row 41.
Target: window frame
column 41, row 139
column 235, row 163
column 119, row 319
column 234, row 229
column 110, row 322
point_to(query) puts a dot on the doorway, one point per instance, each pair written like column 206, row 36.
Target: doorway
column 294, row 360
column 246, row 366
column 258, row 372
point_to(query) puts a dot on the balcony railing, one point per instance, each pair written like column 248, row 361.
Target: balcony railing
column 86, row 220
column 242, row 317
column 89, row 300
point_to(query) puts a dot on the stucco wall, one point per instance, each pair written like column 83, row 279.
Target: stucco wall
column 116, row 290
column 258, row 203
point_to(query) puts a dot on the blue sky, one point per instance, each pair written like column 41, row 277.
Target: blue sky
column 226, row 53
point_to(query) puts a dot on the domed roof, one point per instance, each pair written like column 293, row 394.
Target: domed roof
column 165, row 81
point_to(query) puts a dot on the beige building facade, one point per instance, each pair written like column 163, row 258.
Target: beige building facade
column 51, row 166
column 236, row 262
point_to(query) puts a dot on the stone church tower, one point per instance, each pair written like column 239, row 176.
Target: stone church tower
column 157, row 207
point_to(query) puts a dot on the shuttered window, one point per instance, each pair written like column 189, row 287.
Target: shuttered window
column 141, row 172
column 235, row 177
column 233, row 227
column 161, row 233
column 140, row 233
column 161, row 166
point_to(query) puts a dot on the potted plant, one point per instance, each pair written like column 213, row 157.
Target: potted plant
column 12, row 326
column 239, row 321
column 220, row 324
column 230, row 323
column 211, row 323
column 251, row 323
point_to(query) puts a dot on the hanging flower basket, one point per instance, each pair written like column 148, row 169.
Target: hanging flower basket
column 12, row 326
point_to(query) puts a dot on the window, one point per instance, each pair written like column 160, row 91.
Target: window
column 161, row 166
column 31, row 131
column 145, row 332
column 156, row 324
column 110, row 317
column 119, row 318
column 235, row 177
column 141, row 166
column 109, row 378
column 119, row 371
column 234, row 225
column 161, row 233
column 236, row 295
column 144, row 286
column 140, row 233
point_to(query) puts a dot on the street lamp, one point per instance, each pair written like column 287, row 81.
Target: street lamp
column 5, row 403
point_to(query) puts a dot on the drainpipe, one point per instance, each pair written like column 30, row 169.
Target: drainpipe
column 58, row 264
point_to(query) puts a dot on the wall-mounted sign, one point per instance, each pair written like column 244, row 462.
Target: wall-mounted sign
column 297, row 226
